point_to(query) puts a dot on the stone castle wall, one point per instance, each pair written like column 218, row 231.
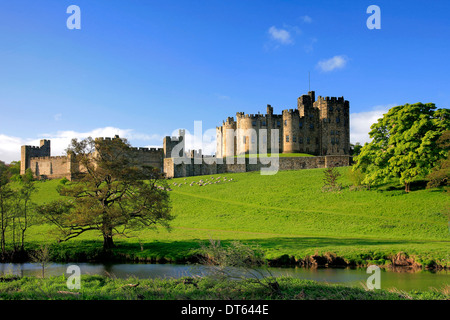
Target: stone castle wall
column 51, row 167
column 44, row 166
column 174, row 170
column 48, row 167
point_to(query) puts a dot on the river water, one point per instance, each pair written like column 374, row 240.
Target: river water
column 403, row 280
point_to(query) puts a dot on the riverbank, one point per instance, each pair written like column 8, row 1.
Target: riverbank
column 206, row 288
column 94, row 253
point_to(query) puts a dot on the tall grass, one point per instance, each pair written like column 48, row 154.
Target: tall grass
column 103, row 288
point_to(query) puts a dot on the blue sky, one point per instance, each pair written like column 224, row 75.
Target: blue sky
column 143, row 69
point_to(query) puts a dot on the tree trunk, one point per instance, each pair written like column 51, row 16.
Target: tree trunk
column 407, row 186
column 108, row 242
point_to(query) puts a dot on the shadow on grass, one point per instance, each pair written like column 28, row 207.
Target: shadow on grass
column 174, row 251
column 391, row 186
column 183, row 251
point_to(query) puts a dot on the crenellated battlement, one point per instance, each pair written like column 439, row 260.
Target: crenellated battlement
column 229, row 121
column 149, row 150
column 241, row 115
column 194, row 153
column 33, row 147
column 290, row 111
column 107, row 138
column 331, row 99
column 50, row 158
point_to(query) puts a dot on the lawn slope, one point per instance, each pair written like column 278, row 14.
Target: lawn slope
column 288, row 214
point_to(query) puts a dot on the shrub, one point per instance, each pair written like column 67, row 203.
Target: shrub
column 330, row 180
column 356, row 176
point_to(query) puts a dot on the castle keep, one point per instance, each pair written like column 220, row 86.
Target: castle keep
column 317, row 127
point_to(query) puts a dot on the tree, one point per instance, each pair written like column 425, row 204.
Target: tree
column 440, row 175
column 14, row 171
column 237, row 262
column 110, row 194
column 355, row 149
column 42, row 257
column 24, row 204
column 404, row 144
column 5, row 206
column 331, row 176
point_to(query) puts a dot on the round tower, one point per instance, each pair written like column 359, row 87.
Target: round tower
column 291, row 131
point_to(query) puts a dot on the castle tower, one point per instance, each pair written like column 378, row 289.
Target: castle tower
column 226, row 138
column 290, row 136
column 44, row 145
column 28, row 152
column 305, row 103
column 334, row 122
column 309, row 124
column 170, row 143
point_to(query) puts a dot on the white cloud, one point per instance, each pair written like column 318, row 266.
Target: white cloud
column 223, row 97
column 280, row 35
column 309, row 47
column 337, row 62
column 306, row 19
column 10, row 146
column 360, row 123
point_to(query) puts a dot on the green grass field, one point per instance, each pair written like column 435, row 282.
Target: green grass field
column 285, row 214
column 205, row 288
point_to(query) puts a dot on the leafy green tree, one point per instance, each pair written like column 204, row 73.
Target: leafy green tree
column 111, row 193
column 355, row 149
column 14, row 171
column 440, row 175
column 404, row 144
column 5, row 206
column 24, row 206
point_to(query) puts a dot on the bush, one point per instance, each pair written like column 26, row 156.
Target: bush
column 356, row 176
column 330, row 180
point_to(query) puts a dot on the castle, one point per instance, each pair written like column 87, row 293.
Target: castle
column 45, row 166
column 317, row 127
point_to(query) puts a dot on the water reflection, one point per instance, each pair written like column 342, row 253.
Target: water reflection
column 411, row 280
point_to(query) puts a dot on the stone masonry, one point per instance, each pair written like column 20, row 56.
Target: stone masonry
column 319, row 127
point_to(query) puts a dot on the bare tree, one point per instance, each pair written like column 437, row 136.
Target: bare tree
column 42, row 256
column 237, row 262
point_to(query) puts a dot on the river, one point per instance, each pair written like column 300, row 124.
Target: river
column 404, row 280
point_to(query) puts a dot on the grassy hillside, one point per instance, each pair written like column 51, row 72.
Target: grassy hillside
column 287, row 214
